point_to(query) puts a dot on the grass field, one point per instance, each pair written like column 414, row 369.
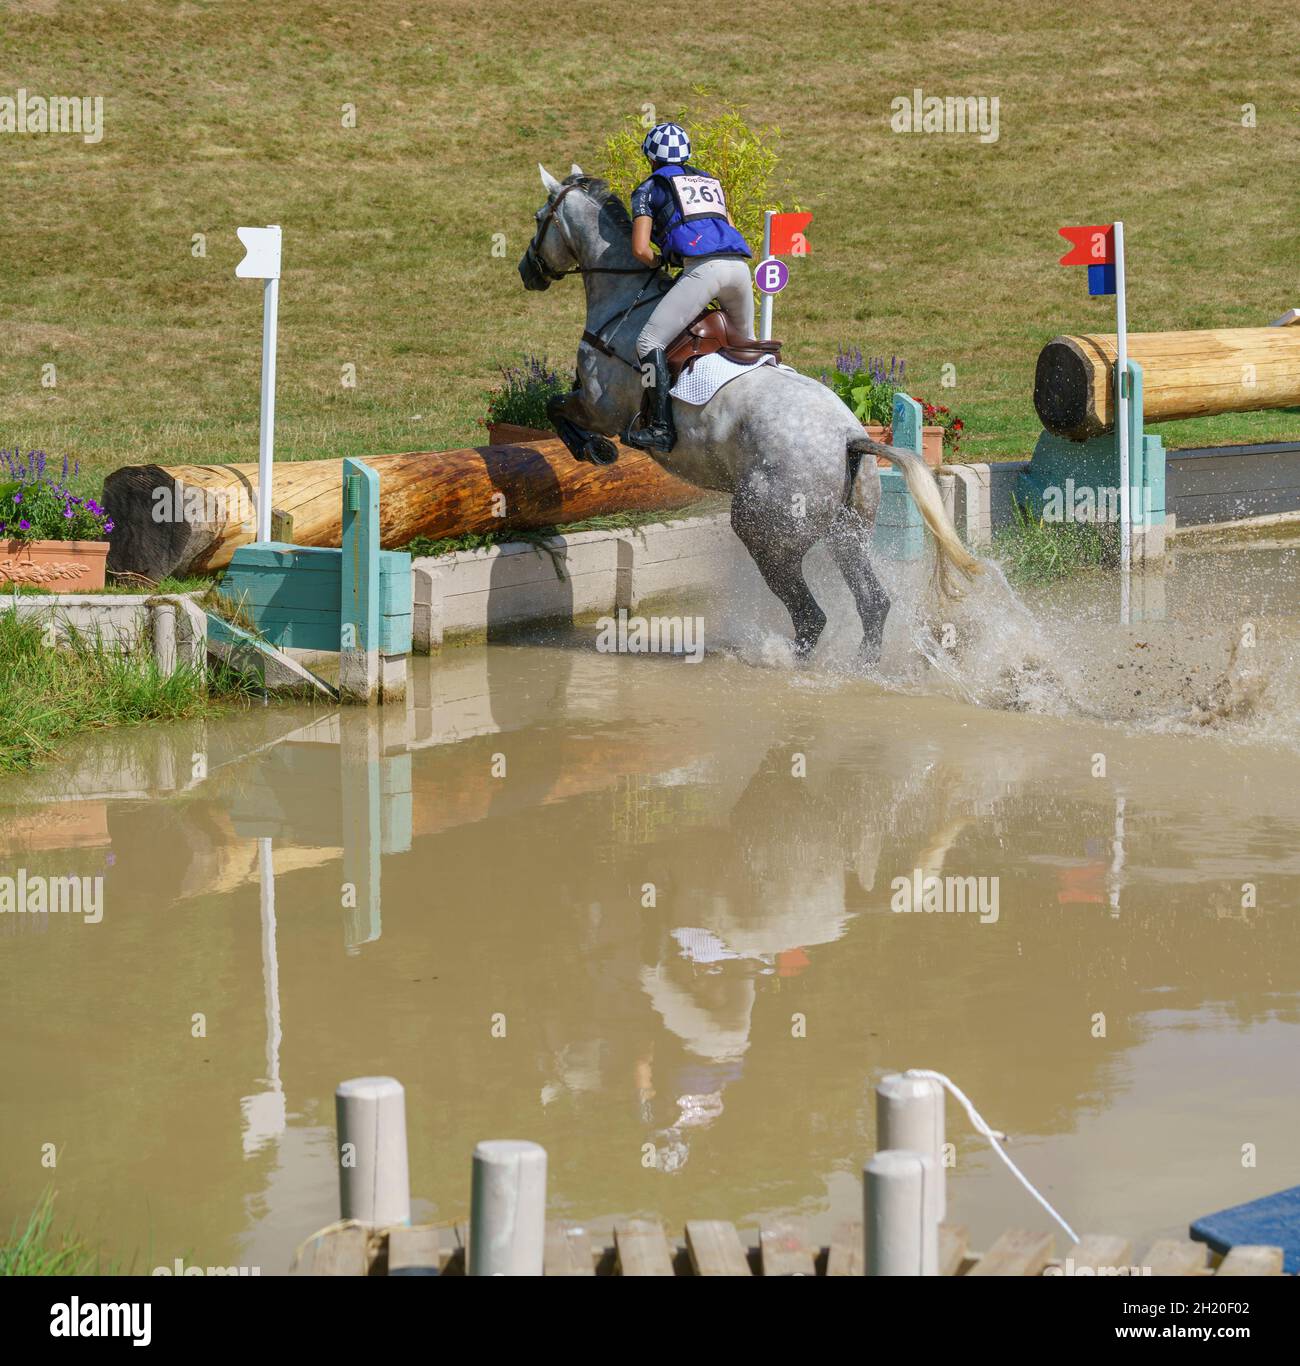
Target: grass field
column 938, row 248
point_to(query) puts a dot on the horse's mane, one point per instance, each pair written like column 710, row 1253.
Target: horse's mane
column 600, row 191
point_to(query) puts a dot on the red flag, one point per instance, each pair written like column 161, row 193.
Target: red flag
column 1093, row 246
column 788, row 234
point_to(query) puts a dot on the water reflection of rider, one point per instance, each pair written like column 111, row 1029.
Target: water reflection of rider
column 704, row 993
column 683, row 210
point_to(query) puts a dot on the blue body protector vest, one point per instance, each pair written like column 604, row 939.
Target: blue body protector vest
column 698, row 223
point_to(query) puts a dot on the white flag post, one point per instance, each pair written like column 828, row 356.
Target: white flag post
column 1122, row 397
column 765, row 308
column 263, row 263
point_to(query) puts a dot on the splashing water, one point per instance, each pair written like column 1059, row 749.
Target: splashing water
column 1213, row 645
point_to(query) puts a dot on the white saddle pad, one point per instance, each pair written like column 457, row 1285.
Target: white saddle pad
column 698, row 384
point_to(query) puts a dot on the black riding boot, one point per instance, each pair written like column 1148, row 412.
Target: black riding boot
column 655, row 430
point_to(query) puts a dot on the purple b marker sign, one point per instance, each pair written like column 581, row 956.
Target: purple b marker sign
column 771, row 275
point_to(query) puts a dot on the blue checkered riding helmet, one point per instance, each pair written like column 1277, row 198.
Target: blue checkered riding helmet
column 667, row 142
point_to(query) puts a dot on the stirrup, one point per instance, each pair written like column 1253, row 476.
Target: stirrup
column 658, row 436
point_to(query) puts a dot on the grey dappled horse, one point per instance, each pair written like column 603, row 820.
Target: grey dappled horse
column 795, row 460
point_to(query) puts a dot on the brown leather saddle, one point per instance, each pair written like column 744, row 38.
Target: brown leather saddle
column 709, row 333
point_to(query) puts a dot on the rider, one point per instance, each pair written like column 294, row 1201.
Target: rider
column 683, row 210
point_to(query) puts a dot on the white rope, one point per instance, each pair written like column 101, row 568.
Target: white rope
column 994, row 1136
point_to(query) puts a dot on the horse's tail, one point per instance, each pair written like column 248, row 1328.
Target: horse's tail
column 923, row 487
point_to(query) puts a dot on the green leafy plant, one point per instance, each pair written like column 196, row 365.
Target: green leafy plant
column 866, row 386
column 743, row 158
column 524, row 391
column 35, row 506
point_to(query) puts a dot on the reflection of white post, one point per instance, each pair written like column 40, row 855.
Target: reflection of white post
column 909, row 1115
column 374, row 1185
column 270, row 964
column 507, row 1210
column 264, row 1113
column 900, row 1224
column 1122, row 406
column 1116, row 878
column 765, row 308
column 263, row 263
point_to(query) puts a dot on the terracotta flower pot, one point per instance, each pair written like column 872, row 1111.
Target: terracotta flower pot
column 61, row 566
column 931, row 442
column 508, row 433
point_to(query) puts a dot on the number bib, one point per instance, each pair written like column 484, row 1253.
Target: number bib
column 699, row 196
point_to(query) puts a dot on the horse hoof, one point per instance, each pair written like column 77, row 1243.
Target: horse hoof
column 868, row 656
column 599, row 450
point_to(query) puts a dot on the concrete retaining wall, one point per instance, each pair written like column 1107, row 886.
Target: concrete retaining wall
column 1232, row 483
column 470, row 594
column 172, row 627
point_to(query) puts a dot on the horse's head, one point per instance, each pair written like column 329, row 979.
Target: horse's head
column 550, row 255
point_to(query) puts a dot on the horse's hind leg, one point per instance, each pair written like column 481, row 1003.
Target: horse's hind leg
column 780, row 561
column 848, row 541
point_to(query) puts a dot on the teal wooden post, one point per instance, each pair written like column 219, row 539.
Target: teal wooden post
column 359, row 605
column 900, row 530
column 1063, row 471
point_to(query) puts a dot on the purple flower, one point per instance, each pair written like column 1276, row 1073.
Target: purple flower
column 848, row 362
column 108, row 526
column 24, row 525
column 67, row 513
column 18, row 498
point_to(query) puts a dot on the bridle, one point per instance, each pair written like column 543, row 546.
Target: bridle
column 533, row 255
column 537, row 262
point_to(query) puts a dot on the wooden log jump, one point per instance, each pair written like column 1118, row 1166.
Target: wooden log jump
column 1185, row 374
column 187, row 519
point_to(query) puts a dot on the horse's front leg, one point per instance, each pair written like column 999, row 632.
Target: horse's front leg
column 573, row 421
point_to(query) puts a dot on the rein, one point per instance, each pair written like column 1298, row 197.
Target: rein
column 606, row 348
column 592, row 338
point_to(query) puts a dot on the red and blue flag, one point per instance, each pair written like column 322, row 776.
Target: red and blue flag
column 1093, row 247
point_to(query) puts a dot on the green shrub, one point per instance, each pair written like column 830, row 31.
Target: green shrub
column 743, row 158
column 1033, row 551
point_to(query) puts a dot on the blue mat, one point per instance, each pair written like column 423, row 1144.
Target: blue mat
column 1273, row 1221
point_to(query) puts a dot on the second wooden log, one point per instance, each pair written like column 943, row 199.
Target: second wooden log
column 1184, row 374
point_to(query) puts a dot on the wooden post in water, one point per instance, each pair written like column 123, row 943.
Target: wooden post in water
column 900, row 1221
column 374, row 1185
column 909, row 1115
column 507, row 1215
column 359, row 626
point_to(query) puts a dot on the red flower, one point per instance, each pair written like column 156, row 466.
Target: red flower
column 958, row 425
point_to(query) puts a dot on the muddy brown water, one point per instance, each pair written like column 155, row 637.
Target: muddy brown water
column 673, row 888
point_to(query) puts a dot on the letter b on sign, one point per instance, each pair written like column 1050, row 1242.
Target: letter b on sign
column 771, row 275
